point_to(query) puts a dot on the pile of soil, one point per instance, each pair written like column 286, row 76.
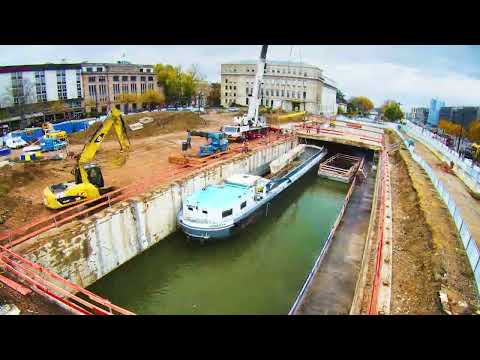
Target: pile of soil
column 427, row 251
column 162, row 123
column 16, row 209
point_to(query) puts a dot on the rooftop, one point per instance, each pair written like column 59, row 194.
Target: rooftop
column 37, row 67
column 273, row 62
column 217, row 196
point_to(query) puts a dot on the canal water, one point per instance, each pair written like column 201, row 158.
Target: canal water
column 258, row 271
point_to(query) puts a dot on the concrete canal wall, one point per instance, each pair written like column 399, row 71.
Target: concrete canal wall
column 84, row 251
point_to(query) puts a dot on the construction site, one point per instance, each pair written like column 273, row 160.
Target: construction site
column 238, row 213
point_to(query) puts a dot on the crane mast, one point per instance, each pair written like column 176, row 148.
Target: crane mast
column 254, row 100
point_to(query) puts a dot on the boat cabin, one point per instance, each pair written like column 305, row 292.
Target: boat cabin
column 221, row 204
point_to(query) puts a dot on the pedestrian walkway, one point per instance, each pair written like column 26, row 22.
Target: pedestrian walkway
column 468, row 206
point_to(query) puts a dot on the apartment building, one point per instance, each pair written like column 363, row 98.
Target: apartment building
column 104, row 84
column 463, row 115
column 287, row 85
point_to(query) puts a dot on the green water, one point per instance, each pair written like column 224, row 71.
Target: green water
column 258, row 271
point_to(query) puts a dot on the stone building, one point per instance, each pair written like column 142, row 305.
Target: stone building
column 288, row 85
column 104, row 84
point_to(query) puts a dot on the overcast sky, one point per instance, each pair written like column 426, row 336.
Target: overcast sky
column 409, row 74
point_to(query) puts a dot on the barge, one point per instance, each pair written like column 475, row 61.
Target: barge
column 218, row 211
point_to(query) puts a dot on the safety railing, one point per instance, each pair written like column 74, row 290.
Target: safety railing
column 72, row 297
column 318, row 261
column 468, row 241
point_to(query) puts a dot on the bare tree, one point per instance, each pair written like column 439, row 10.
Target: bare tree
column 22, row 99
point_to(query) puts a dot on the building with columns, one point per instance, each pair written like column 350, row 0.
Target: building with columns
column 104, row 84
column 288, row 85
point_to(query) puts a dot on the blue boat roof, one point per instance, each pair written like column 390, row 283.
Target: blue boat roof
column 218, row 197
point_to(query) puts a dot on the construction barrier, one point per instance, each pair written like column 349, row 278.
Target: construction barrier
column 469, row 243
column 466, row 165
column 372, row 308
column 325, row 248
column 69, row 296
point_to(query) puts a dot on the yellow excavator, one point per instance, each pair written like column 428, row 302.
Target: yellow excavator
column 88, row 183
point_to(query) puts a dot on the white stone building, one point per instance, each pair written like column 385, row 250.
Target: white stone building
column 288, row 85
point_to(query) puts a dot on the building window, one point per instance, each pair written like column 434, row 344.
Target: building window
column 226, row 80
column 141, row 70
column 288, row 94
column 133, row 78
column 283, row 93
column 101, row 78
column 226, row 94
column 142, row 78
column 149, row 70
column 116, row 78
column 91, row 79
column 143, row 88
column 234, row 95
column 266, row 92
column 125, row 88
column 99, row 69
column 150, row 78
column 133, row 88
column 278, row 93
column 124, row 78
column 116, row 88
column 150, row 86
column 234, row 88
column 304, row 94
column 89, row 69
column 92, row 91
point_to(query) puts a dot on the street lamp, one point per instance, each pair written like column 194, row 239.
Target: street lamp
column 461, row 131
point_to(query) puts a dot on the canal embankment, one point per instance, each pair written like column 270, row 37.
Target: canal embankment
column 332, row 288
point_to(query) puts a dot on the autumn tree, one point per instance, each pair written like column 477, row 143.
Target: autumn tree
column 56, row 107
column 450, row 127
column 128, row 98
column 152, row 98
column 473, row 133
column 359, row 105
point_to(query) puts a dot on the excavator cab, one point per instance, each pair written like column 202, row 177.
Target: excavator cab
column 94, row 174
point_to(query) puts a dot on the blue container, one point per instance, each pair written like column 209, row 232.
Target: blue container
column 5, row 151
column 32, row 134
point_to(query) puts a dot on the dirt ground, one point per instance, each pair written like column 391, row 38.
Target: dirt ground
column 31, row 304
column 21, row 185
column 427, row 252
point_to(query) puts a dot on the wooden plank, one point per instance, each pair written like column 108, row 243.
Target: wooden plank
column 15, row 286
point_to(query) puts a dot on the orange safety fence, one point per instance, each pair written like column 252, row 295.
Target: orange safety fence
column 16, row 236
column 47, row 284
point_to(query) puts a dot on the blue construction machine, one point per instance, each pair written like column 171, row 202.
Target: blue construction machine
column 217, row 142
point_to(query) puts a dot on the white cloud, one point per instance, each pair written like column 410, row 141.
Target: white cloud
column 409, row 85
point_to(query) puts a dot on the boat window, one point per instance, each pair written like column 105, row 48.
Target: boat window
column 205, row 211
column 243, row 204
column 190, row 208
column 227, row 213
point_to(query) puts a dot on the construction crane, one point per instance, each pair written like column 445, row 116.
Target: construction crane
column 88, row 183
column 252, row 124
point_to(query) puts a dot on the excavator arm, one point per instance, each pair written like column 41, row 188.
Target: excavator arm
column 91, row 147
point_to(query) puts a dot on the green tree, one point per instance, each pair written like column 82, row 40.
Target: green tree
column 341, row 97
column 56, row 107
column 176, row 83
column 391, row 111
